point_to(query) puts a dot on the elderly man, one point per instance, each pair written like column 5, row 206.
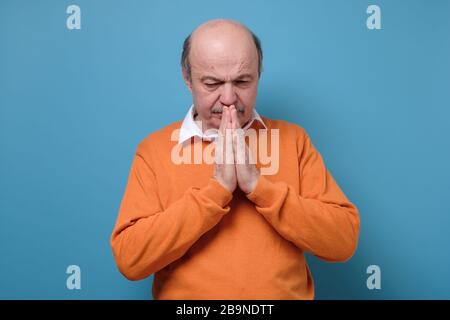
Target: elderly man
column 227, row 229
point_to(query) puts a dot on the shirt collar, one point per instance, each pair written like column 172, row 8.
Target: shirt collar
column 191, row 128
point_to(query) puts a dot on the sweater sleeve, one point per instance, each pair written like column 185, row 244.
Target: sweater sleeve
column 147, row 238
column 320, row 220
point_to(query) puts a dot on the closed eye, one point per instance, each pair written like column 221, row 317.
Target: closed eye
column 241, row 82
column 212, row 84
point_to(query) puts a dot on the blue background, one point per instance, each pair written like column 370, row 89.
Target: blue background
column 74, row 104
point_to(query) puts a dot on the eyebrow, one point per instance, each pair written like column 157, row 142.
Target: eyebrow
column 243, row 76
column 240, row 77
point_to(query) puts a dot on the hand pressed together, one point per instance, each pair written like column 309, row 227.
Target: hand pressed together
column 233, row 165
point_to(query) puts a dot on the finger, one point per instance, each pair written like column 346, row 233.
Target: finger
column 249, row 158
column 219, row 149
column 220, row 142
column 233, row 116
column 225, row 146
column 239, row 146
column 229, row 153
column 228, row 118
column 224, row 121
column 231, row 108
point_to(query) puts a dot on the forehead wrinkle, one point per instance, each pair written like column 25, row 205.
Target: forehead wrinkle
column 244, row 66
column 209, row 70
column 208, row 64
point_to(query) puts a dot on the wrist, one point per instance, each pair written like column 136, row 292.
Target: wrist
column 225, row 185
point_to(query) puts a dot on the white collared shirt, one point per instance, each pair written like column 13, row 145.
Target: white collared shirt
column 191, row 128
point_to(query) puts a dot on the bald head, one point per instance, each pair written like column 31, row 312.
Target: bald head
column 222, row 39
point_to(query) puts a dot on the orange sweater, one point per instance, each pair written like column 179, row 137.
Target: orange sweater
column 202, row 242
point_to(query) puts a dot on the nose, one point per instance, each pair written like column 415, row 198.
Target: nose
column 228, row 95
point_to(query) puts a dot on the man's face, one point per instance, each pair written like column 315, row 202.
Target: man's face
column 224, row 72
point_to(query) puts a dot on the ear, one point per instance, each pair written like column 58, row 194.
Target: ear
column 187, row 80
